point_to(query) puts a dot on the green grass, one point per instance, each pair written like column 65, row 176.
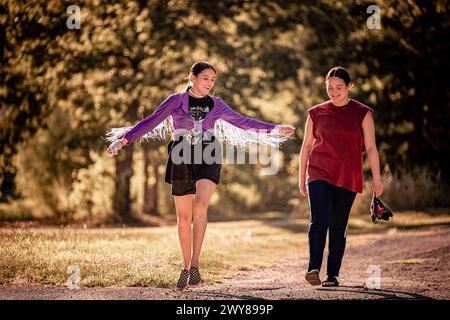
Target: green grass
column 152, row 257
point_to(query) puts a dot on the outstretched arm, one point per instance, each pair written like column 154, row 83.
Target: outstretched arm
column 150, row 122
column 246, row 123
column 243, row 122
column 145, row 125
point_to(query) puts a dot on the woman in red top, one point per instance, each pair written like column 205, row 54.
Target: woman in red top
column 330, row 171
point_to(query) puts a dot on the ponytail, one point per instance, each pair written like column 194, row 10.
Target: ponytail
column 188, row 86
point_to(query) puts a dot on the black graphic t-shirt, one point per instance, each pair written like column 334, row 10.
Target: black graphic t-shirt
column 199, row 107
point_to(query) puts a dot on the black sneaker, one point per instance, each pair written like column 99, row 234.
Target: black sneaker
column 330, row 282
column 313, row 277
column 183, row 280
column 194, row 276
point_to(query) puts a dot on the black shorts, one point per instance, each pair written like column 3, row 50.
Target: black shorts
column 183, row 176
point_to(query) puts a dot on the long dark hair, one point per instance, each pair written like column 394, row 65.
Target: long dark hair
column 198, row 67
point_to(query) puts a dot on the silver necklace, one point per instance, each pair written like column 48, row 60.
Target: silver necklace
column 196, row 95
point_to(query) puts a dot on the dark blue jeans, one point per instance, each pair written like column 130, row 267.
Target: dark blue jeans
column 330, row 209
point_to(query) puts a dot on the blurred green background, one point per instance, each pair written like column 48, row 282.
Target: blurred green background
column 62, row 88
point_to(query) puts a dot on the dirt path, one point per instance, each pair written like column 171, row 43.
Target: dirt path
column 414, row 264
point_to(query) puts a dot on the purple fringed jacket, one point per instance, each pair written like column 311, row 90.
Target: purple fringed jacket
column 176, row 105
column 226, row 124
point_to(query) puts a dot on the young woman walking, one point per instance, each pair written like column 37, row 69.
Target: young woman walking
column 330, row 171
column 196, row 119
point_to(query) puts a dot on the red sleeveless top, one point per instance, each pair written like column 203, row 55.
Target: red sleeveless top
column 336, row 155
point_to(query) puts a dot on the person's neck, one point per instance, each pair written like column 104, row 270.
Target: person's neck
column 195, row 94
column 341, row 104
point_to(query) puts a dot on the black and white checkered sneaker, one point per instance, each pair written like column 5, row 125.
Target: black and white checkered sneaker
column 183, row 280
column 194, row 276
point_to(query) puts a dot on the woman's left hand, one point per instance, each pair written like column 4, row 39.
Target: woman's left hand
column 284, row 129
column 377, row 187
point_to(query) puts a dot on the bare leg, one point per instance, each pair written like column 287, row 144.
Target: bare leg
column 205, row 188
column 183, row 205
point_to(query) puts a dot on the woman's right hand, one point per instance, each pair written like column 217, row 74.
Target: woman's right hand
column 114, row 148
column 302, row 188
column 285, row 129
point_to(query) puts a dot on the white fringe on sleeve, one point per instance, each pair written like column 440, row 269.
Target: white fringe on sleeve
column 158, row 133
column 228, row 133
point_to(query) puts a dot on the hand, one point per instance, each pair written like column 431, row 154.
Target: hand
column 377, row 187
column 114, row 148
column 286, row 130
column 303, row 189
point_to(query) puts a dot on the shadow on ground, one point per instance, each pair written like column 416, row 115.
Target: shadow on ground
column 386, row 294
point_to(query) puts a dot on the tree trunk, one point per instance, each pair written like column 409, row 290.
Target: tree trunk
column 150, row 183
column 124, row 171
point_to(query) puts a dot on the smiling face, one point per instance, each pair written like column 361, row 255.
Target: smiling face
column 203, row 82
column 337, row 91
